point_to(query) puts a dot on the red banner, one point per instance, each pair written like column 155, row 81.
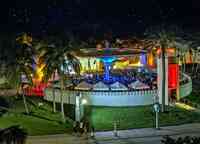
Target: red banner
column 173, row 75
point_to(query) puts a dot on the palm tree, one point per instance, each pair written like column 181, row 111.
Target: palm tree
column 162, row 39
column 196, row 57
column 195, row 52
column 195, row 40
column 20, row 70
column 7, row 50
column 17, row 63
column 48, row 57
column 45, row 54
column 56, row 57
column 182, row 47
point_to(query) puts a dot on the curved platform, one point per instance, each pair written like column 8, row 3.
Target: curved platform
column 115, row 98
column 105, row 98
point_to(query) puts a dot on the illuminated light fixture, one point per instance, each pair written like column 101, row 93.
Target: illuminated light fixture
column 154, row 48
column 108, row 59
column 180, row 62
column 122, row 49
column 143, row 60
column 150, row 59
column 39, row 72
column 123, row 58
column 84, row 101
column 138, row 64
column 158, row 51
column 171, row 50
column 99, row 47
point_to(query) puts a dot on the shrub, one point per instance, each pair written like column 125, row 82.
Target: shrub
column 13, row 134
column 181, row 140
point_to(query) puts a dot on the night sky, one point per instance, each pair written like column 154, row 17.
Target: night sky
column 42, row 16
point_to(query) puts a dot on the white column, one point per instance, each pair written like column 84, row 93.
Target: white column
column 166, row 81
column 160, row 79
column 77, row 107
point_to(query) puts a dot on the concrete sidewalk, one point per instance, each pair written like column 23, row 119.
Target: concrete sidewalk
column 132, row 135
column 151, row 132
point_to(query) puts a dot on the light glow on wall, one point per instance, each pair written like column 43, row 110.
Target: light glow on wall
column 170, row 51
column 184, row 106
column 39, row 72
column 143, row 59
column 38, row 76
column 137, row 64
column 150, row 60
column 90, row 64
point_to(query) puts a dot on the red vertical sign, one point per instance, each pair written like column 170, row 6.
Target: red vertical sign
column 173, row 76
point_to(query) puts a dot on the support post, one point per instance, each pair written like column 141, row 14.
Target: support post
column 157, row 119
column 77, row 108
column 156, row 107
column 115, row 129
column 162, row 87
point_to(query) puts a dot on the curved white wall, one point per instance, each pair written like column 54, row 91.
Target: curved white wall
column 109, row 98
column 186, row 88
column 115, row 98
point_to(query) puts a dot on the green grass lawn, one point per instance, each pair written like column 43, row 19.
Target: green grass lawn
column 194, row 97
column 41, row 121
column 33, row 125
column 137, row 117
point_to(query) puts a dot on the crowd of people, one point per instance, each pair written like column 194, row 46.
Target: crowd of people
column 124, row 77
column 83, row 128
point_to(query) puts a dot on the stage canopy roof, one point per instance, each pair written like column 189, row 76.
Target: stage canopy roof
column 118, row 86
column 83, row 86
column 138, row 85
column 100, row 86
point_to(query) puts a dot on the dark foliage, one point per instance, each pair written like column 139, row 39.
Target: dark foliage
column 181, row 140
column 13, row 134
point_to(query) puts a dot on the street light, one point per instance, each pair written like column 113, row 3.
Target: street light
column 156, row 108
column 83, row 101
column 24, row 84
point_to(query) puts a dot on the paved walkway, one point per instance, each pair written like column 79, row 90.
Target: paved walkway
column 133, row 136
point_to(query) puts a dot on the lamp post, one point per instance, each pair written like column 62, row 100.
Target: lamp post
column 156, row 107
column 24, row 84
column 115, row 129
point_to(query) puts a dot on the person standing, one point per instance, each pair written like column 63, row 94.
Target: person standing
column 92, row 131
column 81, row 128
